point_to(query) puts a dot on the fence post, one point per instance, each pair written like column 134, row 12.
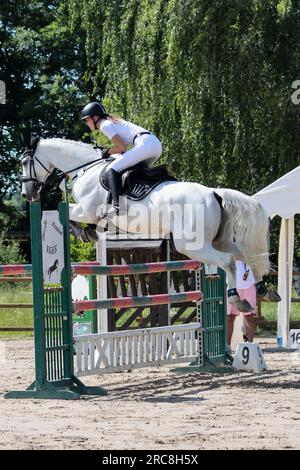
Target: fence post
column 53, row 335
column 38, row 297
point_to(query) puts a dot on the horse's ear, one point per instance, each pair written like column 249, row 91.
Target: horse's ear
column 25, row 138
column 33, row 142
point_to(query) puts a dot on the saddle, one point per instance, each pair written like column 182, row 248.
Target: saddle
column 138, row 180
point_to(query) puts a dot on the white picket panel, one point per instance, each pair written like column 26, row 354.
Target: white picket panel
column 124, row 350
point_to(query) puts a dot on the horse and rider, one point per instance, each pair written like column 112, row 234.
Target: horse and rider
column 231, row 224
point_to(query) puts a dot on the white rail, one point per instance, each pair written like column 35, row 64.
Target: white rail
column 124, row 350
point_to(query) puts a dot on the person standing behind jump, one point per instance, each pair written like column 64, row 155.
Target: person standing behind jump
column 245, row 284
column 145, row 146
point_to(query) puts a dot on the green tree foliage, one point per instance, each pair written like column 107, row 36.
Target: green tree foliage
column 212, row 79
column 42, row 64
column 10, row 212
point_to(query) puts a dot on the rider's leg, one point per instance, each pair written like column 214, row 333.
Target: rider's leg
column 115, row 183
column 147, row 147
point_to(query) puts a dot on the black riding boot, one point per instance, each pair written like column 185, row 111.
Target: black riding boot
column 115, row 184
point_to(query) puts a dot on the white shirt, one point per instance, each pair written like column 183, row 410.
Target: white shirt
column 244, row 275
column 125, row 129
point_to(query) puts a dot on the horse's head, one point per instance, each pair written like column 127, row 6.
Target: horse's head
column 35, row 170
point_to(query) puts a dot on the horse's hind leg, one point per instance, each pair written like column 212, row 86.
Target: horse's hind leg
column 229, row 247
column 225, row 261
column 262, row 291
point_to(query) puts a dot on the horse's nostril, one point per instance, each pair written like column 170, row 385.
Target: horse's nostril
column 23, row 195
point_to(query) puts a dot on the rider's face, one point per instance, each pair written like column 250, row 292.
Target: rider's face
column 90, row 122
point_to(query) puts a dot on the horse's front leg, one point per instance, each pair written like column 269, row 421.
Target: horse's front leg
column 77, row 217
column 85, row 234
column 75, row 229
column 84, row 215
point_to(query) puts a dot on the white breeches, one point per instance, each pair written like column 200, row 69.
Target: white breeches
column 147, row 148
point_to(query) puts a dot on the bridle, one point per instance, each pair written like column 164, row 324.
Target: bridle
column 29, row 152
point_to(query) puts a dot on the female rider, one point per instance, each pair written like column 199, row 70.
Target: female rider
column 145, row 146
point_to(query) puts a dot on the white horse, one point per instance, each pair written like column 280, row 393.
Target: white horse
column 232, row 225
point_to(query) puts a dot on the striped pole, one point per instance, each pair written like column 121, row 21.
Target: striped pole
column 14, row 269
column 92, row 268
column 18, row 269
column 147, row 300
column 142, row 268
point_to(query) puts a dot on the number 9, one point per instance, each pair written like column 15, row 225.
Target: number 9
column 245, row 355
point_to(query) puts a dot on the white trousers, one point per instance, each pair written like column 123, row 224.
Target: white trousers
column 147, row 148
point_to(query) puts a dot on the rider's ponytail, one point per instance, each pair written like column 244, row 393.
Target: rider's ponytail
column 113, row 118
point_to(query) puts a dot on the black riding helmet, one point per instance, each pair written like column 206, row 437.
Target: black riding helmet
column 93, row 109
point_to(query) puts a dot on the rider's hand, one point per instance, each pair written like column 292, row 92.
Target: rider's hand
column 105, row 153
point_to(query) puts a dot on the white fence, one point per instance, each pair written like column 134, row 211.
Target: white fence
column 125, row 350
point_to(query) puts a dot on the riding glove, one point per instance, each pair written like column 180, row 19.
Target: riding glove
column 105, row 153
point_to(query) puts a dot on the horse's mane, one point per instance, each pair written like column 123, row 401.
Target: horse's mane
column 73, row 142
column 76, row 147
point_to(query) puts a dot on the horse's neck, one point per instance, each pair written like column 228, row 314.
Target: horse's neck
column 66, row 155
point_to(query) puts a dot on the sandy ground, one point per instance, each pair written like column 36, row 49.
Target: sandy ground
column 157, row 408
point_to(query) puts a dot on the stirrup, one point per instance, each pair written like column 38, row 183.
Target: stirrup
column 110, row 211
column 114, row 210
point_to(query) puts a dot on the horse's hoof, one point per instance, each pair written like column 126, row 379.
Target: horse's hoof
column 271, row 296
column 91, row 234
column 241, row 305
column 244, row 306
column 275, row 296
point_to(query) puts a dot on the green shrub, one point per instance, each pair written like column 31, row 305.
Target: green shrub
column 10, row 252
column 81, row 251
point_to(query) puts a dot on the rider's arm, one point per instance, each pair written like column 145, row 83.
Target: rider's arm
column 119, row 145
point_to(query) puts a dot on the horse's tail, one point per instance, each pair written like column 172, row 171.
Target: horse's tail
column 249, row 227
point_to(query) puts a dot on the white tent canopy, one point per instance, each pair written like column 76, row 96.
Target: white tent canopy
column 283, row 198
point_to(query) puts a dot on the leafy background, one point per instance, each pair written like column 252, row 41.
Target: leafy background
column 213, row 79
